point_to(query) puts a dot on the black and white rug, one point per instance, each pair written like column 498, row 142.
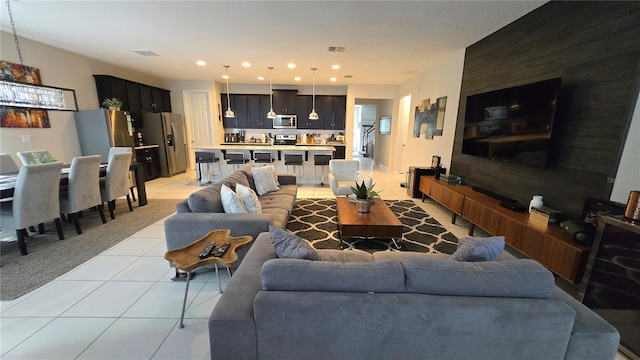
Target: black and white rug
column 315, row 220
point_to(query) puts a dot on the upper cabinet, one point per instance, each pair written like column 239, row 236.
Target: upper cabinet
column 251, row 110
column 284, row 101
column 135, row 97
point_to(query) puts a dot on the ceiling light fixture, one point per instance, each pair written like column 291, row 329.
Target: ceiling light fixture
column 271, row 114
column 22, row 93
column 229, row 113
column 335, row 67
column 261, row 78
column 313, row 115
column 201, row 63
column 291, row 65
column 246, row 64
column 332, row 79
column 297, row 78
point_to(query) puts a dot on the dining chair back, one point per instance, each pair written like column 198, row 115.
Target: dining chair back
column 32, row 157
column 83, row 191
column 7, row 165
column 116, row 182
column 345, row 173
column 125, row 149
column 35, row 200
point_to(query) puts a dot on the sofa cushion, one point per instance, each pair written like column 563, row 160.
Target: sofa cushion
column 236, row 177
column 479, row 249
column 399, row 255
column 344, row 256
column 305, row 275
column 288, row 245
column 231, row 202
column 265, row 179
column 249, row 198
column 509, row 278
column 206, row 200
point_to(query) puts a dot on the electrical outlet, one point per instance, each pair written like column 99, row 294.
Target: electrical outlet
column 26, row 138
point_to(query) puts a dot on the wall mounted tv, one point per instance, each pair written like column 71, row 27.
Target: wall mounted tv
column 512, row 124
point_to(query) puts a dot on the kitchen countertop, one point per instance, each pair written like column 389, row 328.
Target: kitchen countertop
column 259, row 146
column 146, row 147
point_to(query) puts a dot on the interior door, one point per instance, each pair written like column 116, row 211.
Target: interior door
column 198, row 120
column 405, row 117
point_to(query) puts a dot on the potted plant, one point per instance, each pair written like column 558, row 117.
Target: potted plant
column 112, row 103
column 364, row 196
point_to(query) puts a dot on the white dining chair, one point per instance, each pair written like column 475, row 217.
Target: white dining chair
column 7, row 165
column 83, row 190
column 345, row 173
column 35, row 200
column 32, row 157
column 116, row 182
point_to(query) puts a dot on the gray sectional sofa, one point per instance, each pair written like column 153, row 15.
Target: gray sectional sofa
column 353, row 305
column 202, row 211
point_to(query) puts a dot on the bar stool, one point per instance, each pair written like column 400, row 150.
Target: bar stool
column 294, row 160
column 262, row 157
column 236, row 159
column 322, row 161
column 206, row 158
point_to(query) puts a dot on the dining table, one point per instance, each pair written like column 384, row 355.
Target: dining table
column 8, row 181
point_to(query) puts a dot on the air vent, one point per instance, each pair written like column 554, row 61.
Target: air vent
column 336, row 49
column 348, row 76
column 145, row 52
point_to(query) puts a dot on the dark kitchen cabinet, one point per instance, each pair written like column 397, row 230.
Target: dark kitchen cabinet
column 265, row 106
column 109, row 87
column 332, row 111
column 304, row 104
column 150, row 158
column 284, row 101
column 135, row 97
column 240, row 108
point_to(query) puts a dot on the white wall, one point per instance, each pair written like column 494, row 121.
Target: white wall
column 443, row 79
column 61, row 69
column 628, row 176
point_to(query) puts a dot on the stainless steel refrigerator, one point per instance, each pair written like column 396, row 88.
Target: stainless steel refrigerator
column 167, row 130
column 99, row 130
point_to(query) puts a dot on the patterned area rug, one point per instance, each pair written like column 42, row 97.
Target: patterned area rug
column 315, row 220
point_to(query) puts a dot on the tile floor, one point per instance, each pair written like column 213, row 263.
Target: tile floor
column 122, row 304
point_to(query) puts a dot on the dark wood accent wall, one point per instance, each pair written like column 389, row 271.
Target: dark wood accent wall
column 595, row 48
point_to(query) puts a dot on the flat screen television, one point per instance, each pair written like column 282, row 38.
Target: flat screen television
column 512, row 124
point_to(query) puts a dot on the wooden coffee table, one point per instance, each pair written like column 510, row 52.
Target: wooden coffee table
column 378, row 223
column 186, row 258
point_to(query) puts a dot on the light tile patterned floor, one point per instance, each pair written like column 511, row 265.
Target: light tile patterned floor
column 123, row 305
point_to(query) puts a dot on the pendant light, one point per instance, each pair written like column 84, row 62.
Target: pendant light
column 313, row 115
column 229, row 113
column 271, row 114
column 20, row 93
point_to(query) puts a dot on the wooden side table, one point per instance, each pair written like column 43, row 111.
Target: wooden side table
column 186, row 258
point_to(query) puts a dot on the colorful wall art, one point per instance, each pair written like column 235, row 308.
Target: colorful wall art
column 429, row 118
column 22, row 118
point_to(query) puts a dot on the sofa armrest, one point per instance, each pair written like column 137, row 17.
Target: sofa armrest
column 184, row 228
column 287, row 179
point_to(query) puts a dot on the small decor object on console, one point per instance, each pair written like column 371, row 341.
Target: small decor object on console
column 536, row 202
column 632, row 211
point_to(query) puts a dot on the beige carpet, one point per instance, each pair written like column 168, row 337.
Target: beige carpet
column 50, row 257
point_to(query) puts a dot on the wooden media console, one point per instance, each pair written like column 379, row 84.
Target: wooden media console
column 548, row 245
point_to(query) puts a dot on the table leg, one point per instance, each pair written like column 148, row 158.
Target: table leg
column 218, row 276
column 142, row 190
column 184, row 301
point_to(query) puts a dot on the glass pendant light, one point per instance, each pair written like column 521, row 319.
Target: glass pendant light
column 313, row 115
column 271, row 114
column 229, row 113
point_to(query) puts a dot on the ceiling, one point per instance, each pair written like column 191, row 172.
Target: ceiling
column 385, row 42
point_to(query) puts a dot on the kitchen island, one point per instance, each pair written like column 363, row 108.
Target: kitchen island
column 305, row 175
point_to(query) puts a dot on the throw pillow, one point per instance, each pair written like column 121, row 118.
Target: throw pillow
column 231, row 202
column 288, row 245
column 249, row 198
column 264, row 179
column 479, row 249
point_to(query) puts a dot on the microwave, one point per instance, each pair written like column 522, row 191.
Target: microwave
column 285, row 122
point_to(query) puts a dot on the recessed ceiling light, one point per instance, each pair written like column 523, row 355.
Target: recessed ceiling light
column 335, row 67
column 332, row 79
column 297, row 78
column 225, row 76
column 291, row 65
column 246, row 64
column 260, row 78
column 201, row 63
